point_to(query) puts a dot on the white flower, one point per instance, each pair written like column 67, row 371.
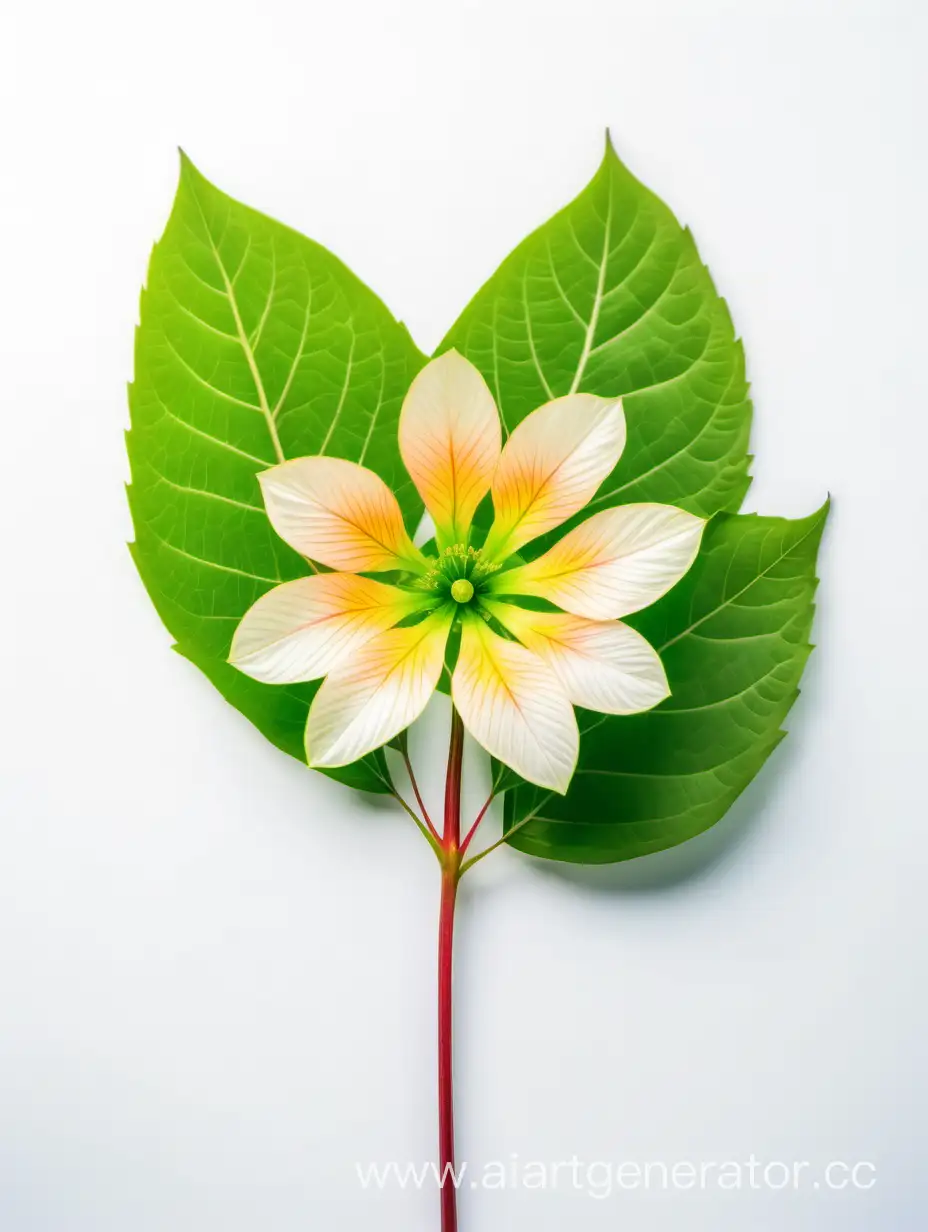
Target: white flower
column 519, row 671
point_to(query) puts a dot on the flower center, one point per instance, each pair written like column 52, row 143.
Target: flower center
column 459, row 571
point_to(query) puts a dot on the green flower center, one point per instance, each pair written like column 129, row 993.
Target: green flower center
column 457, row 571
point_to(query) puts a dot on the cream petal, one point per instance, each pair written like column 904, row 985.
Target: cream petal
column 551, row 466
column 300, row 630
column 512, row 703
column 337, row 513
column 615, row 562
column 373, row 697
column 602, row 665
column 450, row 440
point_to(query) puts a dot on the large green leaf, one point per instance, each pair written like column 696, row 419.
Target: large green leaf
column 255, row 344
column 610, row 297
column 733, row 636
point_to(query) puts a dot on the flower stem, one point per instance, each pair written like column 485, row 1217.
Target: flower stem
column 451, row 872
column 465, row 843
column 421, row 803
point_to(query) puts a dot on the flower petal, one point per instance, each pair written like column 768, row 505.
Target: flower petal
column 377, row 693
column 614, row 563
column 338, row 513
column 602, row 665
column 551, row 466
column 450, row 442
column 512, row 704
column 300, row 630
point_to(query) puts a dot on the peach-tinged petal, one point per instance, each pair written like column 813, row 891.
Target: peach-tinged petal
column 372, row 697
column 450, row 442
column 337, row 513
column 602, row 665
column 614, row 563
column 300, row 630
column 551, row 466
column 512, row 703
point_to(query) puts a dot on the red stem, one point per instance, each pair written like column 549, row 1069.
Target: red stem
column 422, row 809
column 474, row 828
column 451, row 866
column 452, row 836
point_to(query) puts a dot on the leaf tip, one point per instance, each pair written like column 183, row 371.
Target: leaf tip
column 188, row 169
column 612, row 159
column 821, row 514
column 609, row 151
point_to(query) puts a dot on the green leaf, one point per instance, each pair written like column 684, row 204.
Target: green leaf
column 255, row 344
column 610, row 297
column 733, row 636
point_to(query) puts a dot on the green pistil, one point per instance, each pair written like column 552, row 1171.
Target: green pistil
column 462, row 591
column 458, row 564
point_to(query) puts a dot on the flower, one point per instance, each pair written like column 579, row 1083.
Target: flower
column 381, row 644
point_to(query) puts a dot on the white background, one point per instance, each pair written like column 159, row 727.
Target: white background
column 217, row 969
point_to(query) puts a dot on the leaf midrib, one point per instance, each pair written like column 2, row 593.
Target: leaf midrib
column 597, row 300
column 737, row 595
column 242, row 336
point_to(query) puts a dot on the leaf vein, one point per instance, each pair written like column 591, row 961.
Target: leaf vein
column 597, row 299
column 214, row 389
column 211, row 564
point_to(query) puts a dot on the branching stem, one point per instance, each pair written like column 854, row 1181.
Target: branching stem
column 415, row 787
column 450, row 849
column 473, row 830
